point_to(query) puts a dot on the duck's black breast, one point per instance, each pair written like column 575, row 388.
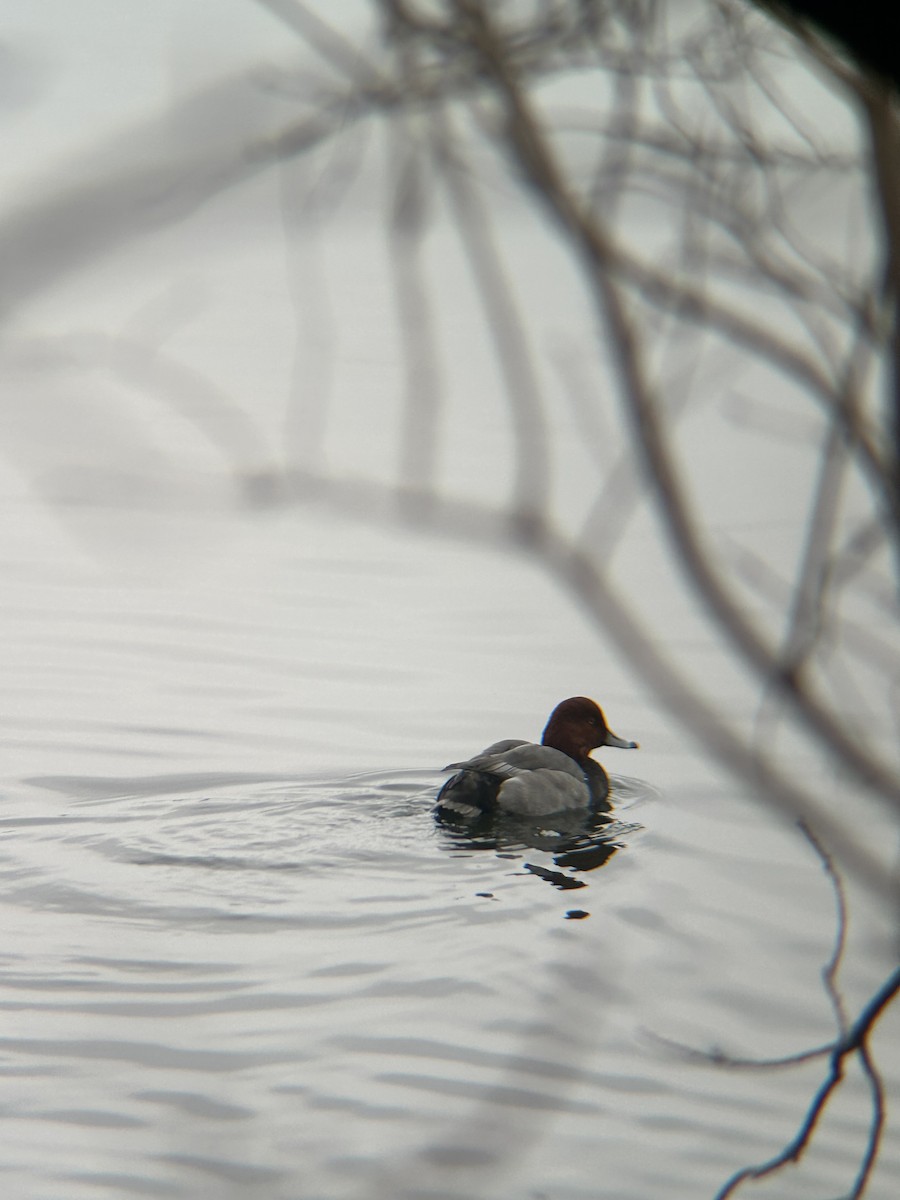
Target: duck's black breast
column 598, row 783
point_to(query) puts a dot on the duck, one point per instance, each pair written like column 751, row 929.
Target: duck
column 530, row 779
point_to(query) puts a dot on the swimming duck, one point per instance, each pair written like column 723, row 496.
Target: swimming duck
column 533, row 780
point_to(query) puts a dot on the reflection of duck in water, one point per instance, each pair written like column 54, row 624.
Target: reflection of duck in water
column 531, row 780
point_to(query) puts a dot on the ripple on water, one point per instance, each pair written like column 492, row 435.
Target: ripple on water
column 301, row 989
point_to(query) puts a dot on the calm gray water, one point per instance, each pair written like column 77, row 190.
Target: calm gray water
column 236, row 964
column 238, row 958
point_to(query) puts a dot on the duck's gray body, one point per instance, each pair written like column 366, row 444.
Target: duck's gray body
column 517, row 777
column 529, row 779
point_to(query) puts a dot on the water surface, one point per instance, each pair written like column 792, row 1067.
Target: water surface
column 239, row 958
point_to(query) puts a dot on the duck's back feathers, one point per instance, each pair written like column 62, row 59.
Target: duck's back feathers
column 507, row 759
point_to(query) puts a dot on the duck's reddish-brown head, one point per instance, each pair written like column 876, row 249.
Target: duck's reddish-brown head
column 577, row 726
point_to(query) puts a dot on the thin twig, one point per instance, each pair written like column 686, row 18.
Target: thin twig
column 854, row 1041
column 832, row 967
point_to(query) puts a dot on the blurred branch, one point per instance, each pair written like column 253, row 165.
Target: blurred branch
column 424, row 378
column 852, row 1038
column 132, row 186
column 523, row 136
column 463, row 58
column 671, row 120
column 864, row 29
column 508, row 335
column 870, row 75
column 577, row 569
column 855, row 1041
column 884, row 130
column 326, row 42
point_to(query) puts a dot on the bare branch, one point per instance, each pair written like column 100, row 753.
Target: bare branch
column 598, row 254
column 855, row 1041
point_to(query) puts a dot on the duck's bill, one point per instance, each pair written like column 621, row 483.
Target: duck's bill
column 621, row 743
